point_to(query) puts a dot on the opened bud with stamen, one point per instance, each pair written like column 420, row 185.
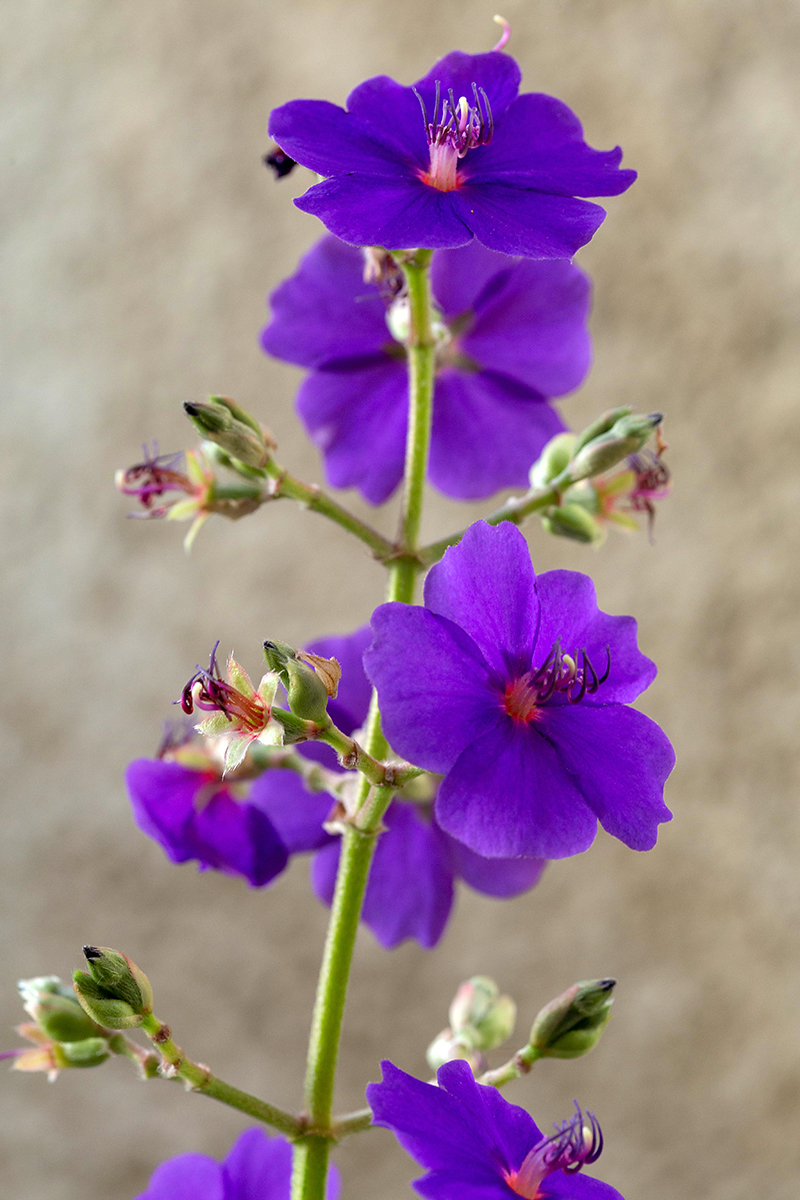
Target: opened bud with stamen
column 238, row 709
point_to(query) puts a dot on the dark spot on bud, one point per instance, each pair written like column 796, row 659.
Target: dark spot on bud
column 91, row 953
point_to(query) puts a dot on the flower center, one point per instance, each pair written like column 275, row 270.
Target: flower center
column 207, row 690
column 459, row 127
column 572, row 675
column 577, row 1142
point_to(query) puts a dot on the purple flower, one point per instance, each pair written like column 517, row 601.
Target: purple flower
column 517, row 690
column 192, row 814
column 257, row 1168
column 411, row 884
column 458, row 155
column 477, row 1146
column 512, row 333
column 187, row 809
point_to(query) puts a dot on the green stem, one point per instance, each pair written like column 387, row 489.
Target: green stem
column 358, row 842
column 198, row 1078
column 520, row 1064
column 314, row 498
column 354, row 1122
column 516, row 510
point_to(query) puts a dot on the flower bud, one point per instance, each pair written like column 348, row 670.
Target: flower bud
column 115, row 993
column 572, row 1024
column 224, row 422
column 54, row 1007
column 310, row 680
column 599, row 427
column 553, row 460
column 479, row 1011
column 573, row 521
column 627, row 435
column 447, row 1046
column 89, row 1053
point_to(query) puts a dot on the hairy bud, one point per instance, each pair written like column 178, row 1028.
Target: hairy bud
column 571, row 1025
column 115, row 992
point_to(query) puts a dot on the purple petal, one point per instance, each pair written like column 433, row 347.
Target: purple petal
column 410, row 888
column 399, row 213
column 485, row 585
column 494, row 876
column 507, row 1128
column 458, row 1185
column 460, row 277
column 258, row 1167
column 393, row 110
column 350, row 707
column 238, row 839
column 487, row 432
column 498, row 75
column 570, row 612
column 516, row 220
column 328, row 140
column 562, row 1186
column 358, row 420
column 431, row 1125
column 187, row 1177
column 295, row 813
column 325, row 311
column 433, row 684
column 510, row 794
column 163, row 798
column 539, row 144
column 533, row 326
column 620, row 760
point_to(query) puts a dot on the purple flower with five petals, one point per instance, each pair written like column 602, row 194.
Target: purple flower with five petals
column 477, row 1146
column 517, row 690
column 510, row 334
column 458, row 155
column 256, row 1166
column 410, row 891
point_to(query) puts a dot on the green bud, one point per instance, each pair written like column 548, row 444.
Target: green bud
column 599, row 428
column 626, row 436
column 295, row 729
column 572, row 521
column 224, row 422
column 308, row 696
column 479, row 1011
column 553, row 460
column 572, row 1024
column 54, row 1007
column 89, row 1053
column 115, row 993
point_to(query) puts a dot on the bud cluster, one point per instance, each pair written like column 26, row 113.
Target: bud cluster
column 589, row 499
column 61, row 1033
column 480, row 1020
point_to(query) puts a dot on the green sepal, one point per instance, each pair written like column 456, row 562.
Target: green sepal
column 91, row 1052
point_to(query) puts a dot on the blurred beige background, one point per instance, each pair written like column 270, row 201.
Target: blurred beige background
column 141, row 235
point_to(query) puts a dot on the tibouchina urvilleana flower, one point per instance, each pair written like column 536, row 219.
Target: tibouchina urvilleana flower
column 459, row 155
column 476, row 1146
column 510, row 335
column 517, row 689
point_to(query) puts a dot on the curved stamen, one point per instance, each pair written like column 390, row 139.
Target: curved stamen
column 576, row 1142
column 573, row 676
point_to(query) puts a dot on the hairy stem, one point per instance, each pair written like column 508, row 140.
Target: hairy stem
column 198, row 1078
column 358, row 842
column 314, row 498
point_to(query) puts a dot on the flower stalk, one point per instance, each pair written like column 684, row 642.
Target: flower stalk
column 358, row 842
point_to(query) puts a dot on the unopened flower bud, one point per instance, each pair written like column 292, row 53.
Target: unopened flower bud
column 573, row 521
column 627, row 435
column 482, row 1013
column 572, row 1024
column 223, row 421
column 54, row 1007
column 115, row 993
column 599, row 427
column 553, row 460
column 447, row 1046
column 89, row 1053
column 310, row 679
